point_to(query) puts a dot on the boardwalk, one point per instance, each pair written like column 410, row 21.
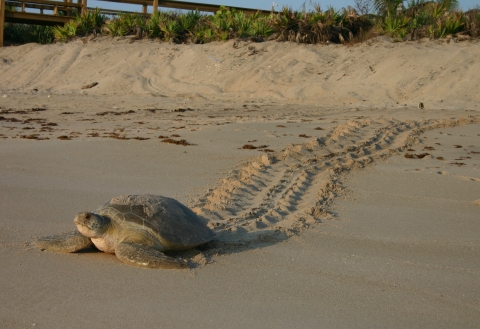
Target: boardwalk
column 46, row 12
column 180, row 5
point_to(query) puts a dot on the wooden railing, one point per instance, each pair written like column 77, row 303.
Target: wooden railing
column 181, row 5
column 40, row 12
column 2, row 20
column 54, row 6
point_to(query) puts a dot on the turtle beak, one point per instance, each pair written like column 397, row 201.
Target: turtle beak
column 83, row 218
column 90, row 224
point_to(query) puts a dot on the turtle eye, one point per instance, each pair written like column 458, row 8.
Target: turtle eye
column 88, row 216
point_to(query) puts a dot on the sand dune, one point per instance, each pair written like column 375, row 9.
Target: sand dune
column 438, row 73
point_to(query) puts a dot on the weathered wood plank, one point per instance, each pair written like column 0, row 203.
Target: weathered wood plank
column 2, row 20
column 30, row 18
column 35, row 6
column 185, row 5
column 52, row 3
column 116, row 12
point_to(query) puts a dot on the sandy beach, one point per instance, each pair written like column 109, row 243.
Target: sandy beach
column 336, row 198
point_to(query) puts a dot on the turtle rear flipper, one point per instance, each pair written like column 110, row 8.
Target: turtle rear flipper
column 145, row 256
column 68, row 242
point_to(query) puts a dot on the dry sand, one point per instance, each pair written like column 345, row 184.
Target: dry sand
column 336, row 201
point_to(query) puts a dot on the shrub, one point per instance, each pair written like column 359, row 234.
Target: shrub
column 124, row 24
column 152, row 25
column 90, row 22
column 394, row 24
column 170, row 28
column 434, row 19
column 472, row 22
column 24, row 33
column 428, row 19
column 66, row 32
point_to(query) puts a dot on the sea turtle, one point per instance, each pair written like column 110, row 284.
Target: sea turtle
column 138, row 229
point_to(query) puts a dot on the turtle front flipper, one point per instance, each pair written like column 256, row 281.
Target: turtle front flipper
column 68, row 242
column 145, row 256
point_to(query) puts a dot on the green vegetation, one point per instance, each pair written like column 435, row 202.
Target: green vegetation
column 427, row 19
column 195, row 27
column 82, row 25
column 421, row 18
column 24, row 33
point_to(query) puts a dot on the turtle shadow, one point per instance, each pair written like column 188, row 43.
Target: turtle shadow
column 242, row 240
column 237, row 242
column 88, row 250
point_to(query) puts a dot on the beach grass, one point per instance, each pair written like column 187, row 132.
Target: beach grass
column 422, row 19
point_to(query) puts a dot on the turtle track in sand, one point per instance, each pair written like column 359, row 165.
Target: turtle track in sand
column 277, row 195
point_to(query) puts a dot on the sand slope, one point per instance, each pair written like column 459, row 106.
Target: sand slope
column 376, row 73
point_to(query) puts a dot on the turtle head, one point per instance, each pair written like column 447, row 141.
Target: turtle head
column 92, row 225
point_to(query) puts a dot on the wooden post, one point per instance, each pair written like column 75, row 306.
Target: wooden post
column 144, row 9
column 2, row 20
column 155, row 6
column 68, row 12
column 84, row 7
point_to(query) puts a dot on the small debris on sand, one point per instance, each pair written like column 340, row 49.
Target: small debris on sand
column 90, row 85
